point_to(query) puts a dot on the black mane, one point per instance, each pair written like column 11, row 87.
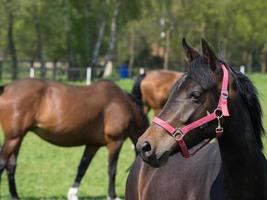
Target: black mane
column 249, row 95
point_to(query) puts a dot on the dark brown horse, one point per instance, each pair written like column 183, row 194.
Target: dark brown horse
column 94, row 116
column 153, row 88
column 180, row 179
column 244, row 167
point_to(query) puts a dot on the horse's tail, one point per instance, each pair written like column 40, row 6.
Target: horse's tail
column 2, row 87
column 137, row 94
column 136, row 91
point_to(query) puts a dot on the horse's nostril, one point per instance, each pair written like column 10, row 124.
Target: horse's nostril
column 146, row 147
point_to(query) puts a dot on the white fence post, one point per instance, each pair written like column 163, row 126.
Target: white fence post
column 242, row 69
column 32, row 72
column 88, row 75
column 141, row 70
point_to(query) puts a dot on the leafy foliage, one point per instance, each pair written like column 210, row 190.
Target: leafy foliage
column 237, row 28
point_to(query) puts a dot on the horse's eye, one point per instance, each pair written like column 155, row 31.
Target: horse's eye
column 195, row 95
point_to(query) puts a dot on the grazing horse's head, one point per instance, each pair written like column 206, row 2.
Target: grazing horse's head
column 193, row 97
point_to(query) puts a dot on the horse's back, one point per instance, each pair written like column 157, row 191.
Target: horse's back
column 180, row 178
column 162, row 76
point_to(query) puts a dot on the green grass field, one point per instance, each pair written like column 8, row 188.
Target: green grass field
column 46, row 171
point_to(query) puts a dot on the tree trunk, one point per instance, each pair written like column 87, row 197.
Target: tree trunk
column 98, row 42
column 167, row 49
column 39, row 43
column 249, row 67
column 264, row 59
column 54, row 73
column 132, row 47
column 113, row 31
column 263, row 65
column 70, row 51
column 203, row 29
column 11, row 45
column 247, row 60
column 1, row 69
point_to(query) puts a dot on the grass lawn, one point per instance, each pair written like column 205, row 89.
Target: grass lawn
column 46, row 171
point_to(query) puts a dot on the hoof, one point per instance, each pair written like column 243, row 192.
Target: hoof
column 116, row 198
column 72, row 194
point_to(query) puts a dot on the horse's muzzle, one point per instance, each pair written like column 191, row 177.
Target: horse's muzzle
column 148, row 154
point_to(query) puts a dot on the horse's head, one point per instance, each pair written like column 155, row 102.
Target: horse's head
column 193, row 97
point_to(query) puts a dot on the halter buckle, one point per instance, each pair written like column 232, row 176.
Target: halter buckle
column 219, row 131
column 224, row 94
column 219, row 128
column 178, row 134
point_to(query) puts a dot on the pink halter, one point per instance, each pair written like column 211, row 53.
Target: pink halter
column 221, row 111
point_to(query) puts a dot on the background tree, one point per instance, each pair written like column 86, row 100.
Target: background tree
column 83, row 33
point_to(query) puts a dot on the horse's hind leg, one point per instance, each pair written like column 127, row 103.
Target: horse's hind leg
column 11, row 170
column 10, row 146
column 88, row 154
column 114, row 148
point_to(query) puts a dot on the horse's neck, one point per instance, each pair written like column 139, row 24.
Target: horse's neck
column 242, row 160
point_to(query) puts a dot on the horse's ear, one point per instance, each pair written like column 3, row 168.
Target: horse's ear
column 191, row 53
column 208, row 55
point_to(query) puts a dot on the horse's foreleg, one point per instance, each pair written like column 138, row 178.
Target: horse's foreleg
column 114, row 148
column 88, row 154
column 10, row 147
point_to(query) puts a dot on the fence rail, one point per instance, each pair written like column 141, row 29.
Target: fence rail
column 61, row 73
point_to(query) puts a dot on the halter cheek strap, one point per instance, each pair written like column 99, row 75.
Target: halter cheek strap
column 221, row 111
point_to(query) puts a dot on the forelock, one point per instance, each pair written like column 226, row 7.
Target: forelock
column 200, row 72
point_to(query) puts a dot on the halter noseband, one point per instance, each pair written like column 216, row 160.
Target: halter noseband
column 221, row 111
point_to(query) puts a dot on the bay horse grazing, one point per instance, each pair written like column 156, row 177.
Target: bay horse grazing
column 234, row 116
column 153, row 88
column 97, row 115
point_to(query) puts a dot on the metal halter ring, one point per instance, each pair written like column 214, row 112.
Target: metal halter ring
column 218, row 113
column 179, row 133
